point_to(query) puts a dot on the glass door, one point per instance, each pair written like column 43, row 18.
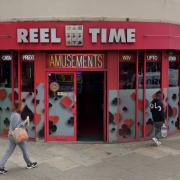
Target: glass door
column 61, row 107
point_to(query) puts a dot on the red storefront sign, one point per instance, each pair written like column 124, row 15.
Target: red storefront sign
column 76, row 61
column 88, row 35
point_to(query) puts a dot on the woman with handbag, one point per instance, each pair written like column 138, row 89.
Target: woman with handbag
column 15, row 123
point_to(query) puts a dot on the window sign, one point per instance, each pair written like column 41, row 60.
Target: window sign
column 28, row 57
column 6, row 57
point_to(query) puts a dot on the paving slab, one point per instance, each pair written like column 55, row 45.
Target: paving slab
column 87, row 161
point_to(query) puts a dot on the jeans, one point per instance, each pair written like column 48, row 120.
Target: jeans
column 10, row 150
column 157, row 127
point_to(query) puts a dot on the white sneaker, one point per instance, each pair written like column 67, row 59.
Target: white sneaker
column 155, row 140
column 159, row 143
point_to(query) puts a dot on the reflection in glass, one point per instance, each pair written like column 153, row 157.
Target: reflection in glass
column 153, row 79
column 61, row 104
column 5, row 96
column 28, row 76
column 127, row 76
column 140, row 92
column 5, row 74
column 173, row 96
column 27, row 95
column 127, row 93
column 153, row 85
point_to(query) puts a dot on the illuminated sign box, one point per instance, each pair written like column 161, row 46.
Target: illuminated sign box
column 76, row 61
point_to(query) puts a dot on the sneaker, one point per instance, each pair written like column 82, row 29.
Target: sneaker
column 155, row 140
column 159, row 143
column 32, row 165
column 3, row 171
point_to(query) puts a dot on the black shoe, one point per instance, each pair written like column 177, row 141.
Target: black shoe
column 3, row 171
column 32, row 165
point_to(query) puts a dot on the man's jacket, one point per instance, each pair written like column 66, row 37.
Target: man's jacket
column 157, row 111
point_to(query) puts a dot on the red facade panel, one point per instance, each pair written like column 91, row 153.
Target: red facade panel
column 147, row 36
column 113, row 64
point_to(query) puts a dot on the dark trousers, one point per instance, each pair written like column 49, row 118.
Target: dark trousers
column 157, row 128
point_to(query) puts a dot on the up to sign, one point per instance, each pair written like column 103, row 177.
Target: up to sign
column 153, row 57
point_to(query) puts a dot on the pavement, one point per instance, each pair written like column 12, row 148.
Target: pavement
column 87, row 161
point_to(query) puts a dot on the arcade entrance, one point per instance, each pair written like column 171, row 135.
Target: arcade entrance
column 75, row 106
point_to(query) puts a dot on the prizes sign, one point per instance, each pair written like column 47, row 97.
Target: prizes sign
column 76, row 61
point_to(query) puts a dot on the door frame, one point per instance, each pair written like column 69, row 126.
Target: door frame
column 70, row 71
column 59, row 138
column 105, row 96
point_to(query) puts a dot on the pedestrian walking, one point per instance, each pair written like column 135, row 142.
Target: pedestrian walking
column 16, row 122
column 158, row 116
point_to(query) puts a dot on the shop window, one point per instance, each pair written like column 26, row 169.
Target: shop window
column 153, row 85
column 127, row 73
column 141, row 64
column 5, row 92
column 28, row 76
column 173, row 92
column 27, row 93
column 140, row 69
column 127, row 95
column 5, row 74
column 173, row 73
column 16, row 95
column 153, row 79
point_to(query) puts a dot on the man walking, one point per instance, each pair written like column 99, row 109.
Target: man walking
column 158, row 115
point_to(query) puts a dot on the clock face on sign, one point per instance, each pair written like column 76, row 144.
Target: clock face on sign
column 54, row 86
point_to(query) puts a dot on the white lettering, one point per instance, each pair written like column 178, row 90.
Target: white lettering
column 94, row 32
column 172, row 58
column 113, row 35
column 22, row 35
column 6, row 57
column 54, row 38
column 104, row 35
column 44, row 38
column 118, row 36
column 126, row 58
column 28, row 57
column 131, row 35
column 41, row 35
column 152, row 58
column 33, row 35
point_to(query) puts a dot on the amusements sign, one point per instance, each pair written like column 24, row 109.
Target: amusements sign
column 76, row 61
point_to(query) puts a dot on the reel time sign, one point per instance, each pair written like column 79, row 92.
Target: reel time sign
column 74, row 35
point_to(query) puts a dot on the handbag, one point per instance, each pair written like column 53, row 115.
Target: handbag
column 20, row 135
